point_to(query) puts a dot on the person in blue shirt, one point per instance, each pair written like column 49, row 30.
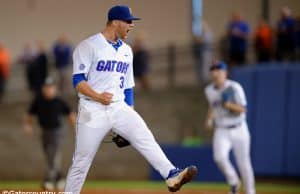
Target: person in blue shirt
column 238, row 31
column 286, row 39
column 62, row 52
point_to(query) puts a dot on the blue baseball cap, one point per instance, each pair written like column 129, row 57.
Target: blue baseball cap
column 121, row 12
column 218, row 65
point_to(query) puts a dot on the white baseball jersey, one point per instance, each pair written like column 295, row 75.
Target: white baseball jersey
column 106, row 69
column 221, row 116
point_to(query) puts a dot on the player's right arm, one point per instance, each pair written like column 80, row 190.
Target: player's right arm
column 28, row 118
column 28, row 123
column 234, row 107
column 209, row 119
column 238, row 103
column 84, row 88
column 82, row 60
column 209, row 116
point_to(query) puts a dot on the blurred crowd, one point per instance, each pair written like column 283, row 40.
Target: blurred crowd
column 37, row 60
column 279, row 43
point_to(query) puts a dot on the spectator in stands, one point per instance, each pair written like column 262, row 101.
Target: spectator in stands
column 39, row 70
column 285, row 45
column 141, row 61
column 263, row 42
column 298, row 38
column 223, row 44
column 202, row 47
column 62, row 51
column 4, row 69
column 49, row 109
column 238, row 31
column 27, row 58
column 41, row 65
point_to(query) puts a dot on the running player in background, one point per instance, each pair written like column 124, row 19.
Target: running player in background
column 227, row 116
column 103, row 77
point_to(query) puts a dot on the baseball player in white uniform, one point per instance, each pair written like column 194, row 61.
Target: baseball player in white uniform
column 226, row 115
column 103, row 77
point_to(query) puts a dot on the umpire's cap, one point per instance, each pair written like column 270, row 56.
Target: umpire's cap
column 218, row 65
column 49, row 81
column 121, row 12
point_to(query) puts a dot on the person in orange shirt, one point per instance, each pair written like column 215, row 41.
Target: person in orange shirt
column 263, row 42
column 4, row 68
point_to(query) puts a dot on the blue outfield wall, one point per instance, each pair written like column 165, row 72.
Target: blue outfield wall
column 273, row 106
column 269, row 120
column 273, row 95
column 291, row 161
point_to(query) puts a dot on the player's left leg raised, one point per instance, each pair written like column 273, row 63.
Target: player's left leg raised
column 133, row 128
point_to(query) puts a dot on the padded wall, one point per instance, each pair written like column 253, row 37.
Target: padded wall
column 292, row 145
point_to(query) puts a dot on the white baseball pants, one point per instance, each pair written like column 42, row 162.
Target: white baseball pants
column 94, row 122
column 237, row 139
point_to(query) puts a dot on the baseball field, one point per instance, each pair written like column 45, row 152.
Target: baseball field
column 147, row 187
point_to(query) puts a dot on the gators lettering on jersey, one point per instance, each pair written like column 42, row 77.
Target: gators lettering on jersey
column 107, row 69
column 109, row 65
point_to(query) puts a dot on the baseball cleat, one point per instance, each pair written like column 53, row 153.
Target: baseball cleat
column 178, row 177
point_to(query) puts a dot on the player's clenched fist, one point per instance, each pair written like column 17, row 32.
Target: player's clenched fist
column 105, row 98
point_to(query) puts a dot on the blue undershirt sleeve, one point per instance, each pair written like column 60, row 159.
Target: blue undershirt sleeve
column 129, row 98
column 78, row 78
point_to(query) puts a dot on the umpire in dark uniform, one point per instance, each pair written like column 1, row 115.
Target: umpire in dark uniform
column 49, row 110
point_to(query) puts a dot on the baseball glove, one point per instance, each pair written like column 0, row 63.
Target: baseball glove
column 228, row 95
column 120, row 141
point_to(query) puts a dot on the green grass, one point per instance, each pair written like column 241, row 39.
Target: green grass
column 261, row 187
